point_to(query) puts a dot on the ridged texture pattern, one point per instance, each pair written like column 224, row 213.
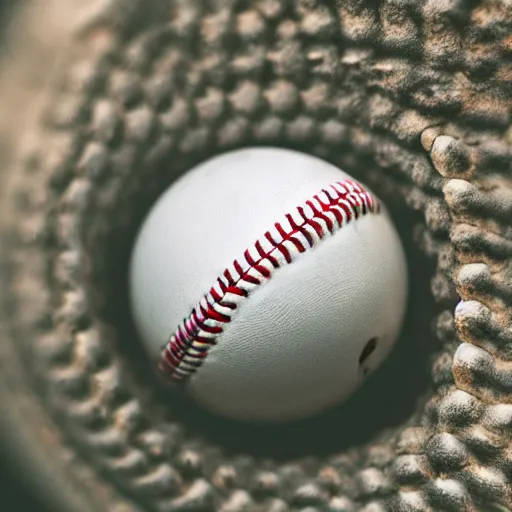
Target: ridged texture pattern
column 302, row 229
column 411, row 97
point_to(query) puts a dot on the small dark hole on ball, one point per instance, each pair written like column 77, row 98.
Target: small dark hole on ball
column 368, row 350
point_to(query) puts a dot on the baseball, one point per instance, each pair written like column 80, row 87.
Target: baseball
column 268, row 284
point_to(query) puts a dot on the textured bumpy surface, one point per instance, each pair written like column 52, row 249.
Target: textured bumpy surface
column 322, row 215
column 412, row 97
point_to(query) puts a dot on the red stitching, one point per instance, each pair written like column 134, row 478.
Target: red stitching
column 189, row 345
column 284, row 251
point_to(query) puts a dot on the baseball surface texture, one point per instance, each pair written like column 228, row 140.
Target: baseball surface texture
column 269, row 283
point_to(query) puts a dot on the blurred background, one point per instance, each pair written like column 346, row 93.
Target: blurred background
column 16, row 494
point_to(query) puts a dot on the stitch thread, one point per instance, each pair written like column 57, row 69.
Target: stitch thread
column 327, row 212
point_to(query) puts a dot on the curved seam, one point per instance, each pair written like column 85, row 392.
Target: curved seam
column 328, row 211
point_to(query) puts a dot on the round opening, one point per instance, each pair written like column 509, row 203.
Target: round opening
column 352, row 423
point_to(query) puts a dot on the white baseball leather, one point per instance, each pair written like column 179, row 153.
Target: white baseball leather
column 293, row 346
